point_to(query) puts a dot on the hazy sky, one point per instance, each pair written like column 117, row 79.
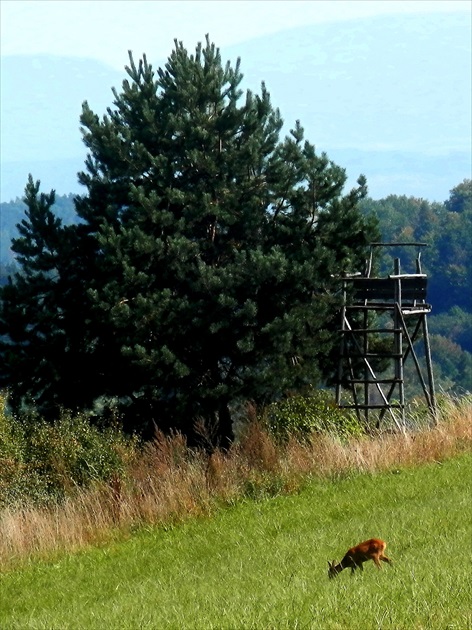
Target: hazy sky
column 107, row 29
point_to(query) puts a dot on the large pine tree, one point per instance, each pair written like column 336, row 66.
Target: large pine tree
column 203, row 269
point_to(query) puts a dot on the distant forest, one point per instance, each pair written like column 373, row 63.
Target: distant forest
column 444, row 227
column 447, row 260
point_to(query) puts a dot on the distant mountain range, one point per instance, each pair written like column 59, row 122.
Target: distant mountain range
column 389, row 97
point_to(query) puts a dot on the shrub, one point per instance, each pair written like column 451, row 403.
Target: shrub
column 16, row 479
column 40, row 460
column 302, row 415
column 74, row 452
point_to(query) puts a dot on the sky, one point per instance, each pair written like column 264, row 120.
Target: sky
column 104, row 31
column 107, row 29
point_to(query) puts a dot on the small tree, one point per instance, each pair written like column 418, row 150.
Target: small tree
column 204, row 268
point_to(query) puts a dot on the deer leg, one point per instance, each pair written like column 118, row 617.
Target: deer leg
column 385, row 559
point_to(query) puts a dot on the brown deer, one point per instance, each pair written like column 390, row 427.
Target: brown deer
column 372, row 549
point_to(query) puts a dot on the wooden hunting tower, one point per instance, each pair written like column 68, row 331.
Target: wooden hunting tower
column 382, row 318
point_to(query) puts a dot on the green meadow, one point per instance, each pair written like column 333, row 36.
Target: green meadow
column 263, row 563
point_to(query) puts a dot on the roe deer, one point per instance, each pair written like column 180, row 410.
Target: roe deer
column 372, row 549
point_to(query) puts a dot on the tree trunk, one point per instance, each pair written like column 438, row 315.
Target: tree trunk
column 225, row 434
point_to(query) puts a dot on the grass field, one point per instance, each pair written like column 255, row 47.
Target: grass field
column 263, row 564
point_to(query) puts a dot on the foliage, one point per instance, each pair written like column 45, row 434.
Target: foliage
column 447, row 260
column 445, row 228
column 42, row 315
column 12, row 213
column 452, row 365
column 203, row 270
column 455, row 324
column 40, row 461
column 303, row 415
column 460, row 199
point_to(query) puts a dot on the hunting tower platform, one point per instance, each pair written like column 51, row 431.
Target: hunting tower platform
column 382, row 318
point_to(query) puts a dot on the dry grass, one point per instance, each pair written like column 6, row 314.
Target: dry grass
column 169, row 482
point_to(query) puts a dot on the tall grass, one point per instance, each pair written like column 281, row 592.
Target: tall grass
column 169, row 482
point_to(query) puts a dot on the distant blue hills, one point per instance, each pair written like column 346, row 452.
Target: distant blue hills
column 389, row 97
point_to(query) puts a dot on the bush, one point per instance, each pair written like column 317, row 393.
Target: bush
column 40, row 461
column 73, row 452
column 302, row 415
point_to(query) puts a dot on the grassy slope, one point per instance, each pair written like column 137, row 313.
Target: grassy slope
column 263, row 564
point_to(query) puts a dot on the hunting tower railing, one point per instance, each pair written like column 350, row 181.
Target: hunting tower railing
column 382, row 318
